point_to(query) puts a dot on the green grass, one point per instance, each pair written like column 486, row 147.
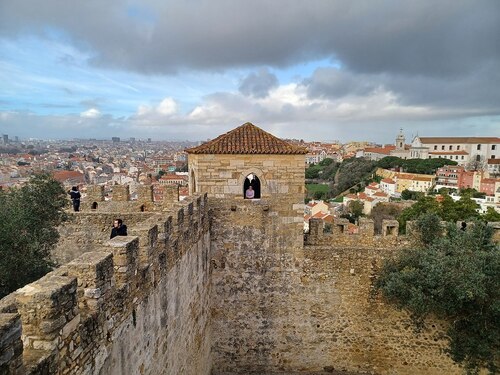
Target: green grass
column 312, row 188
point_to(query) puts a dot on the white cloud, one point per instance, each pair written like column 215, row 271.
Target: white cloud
column 91, row 113
column 167, row 107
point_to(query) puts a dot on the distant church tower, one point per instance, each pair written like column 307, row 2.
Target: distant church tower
column 400, row 141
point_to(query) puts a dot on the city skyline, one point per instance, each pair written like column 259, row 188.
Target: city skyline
column 193, row 70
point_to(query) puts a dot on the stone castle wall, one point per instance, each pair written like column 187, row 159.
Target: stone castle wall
column 139, row 305
column 216, row 286
column 311, row 309
column 89, row 231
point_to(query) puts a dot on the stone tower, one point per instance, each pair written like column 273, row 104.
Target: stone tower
column 256, row 244
column 400, row 141
column 225, row 166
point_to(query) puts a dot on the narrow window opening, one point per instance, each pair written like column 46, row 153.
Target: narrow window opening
column 251, row 187
column 391, row 231
column 143, row 208
column 94, row 206
column 193, row 183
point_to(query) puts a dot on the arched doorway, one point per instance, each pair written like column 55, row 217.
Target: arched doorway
column 251, row 181
column 94, row 206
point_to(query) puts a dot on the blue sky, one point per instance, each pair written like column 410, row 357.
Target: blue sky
column 330, row 70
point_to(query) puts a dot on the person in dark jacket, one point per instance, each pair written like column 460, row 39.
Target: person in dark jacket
column 119, row 229
column 75, row 197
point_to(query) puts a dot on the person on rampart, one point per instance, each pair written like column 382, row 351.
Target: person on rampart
column 75, row 197
column 119, row 229
column 250, row 193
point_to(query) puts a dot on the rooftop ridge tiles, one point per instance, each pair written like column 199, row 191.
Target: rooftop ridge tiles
column 247, row 139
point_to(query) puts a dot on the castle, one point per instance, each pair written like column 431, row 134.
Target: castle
column 217, row 284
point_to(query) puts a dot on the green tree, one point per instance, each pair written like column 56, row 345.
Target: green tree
column 467, row 208
column 313, row 171
column 424, row 166
column 411, row 195
column 491, row 215
column 325, row 162
column 356, row 209
column 318, row 195
column 351, row 172
column 422, row 206
column 29, row 217
column 449, row 210
column 453, row 277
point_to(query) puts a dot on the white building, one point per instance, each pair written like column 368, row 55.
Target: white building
column 388, row 186
column 460, row 149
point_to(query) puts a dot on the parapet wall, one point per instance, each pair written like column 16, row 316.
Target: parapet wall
column 287, row 309
column 89, row 231
column 138, row 305
column 120, row 201
column 342, row 234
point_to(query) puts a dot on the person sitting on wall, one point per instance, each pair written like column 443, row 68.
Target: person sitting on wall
column 75, row 197
column 250, row 193
column 119, row 229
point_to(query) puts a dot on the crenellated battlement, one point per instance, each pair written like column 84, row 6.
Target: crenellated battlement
column 120, row 201
column 71, row 314
column 343, row 234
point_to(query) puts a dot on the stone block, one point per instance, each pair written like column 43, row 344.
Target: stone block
column 10, row 337
column 121, row 193
column 390, row 228
column 46, row 306
column 125, row 257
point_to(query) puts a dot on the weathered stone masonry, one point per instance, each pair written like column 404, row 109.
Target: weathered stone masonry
column 140, row 305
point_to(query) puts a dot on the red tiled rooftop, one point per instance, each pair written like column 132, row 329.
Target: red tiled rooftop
column 247, row 139
column 62, row 176
column 380, row 150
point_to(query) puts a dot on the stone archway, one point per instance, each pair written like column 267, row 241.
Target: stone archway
column 252, row 182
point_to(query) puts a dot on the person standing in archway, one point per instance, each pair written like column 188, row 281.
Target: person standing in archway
column 250, row 193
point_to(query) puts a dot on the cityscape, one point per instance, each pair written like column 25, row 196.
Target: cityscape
column 215, row 187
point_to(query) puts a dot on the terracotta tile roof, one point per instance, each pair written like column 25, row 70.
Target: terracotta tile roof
column 493, row 161
column 388, row 181
column 380, row 150
column 62, row 176
column 247, row 139
column 472, row 140
column 421, row 178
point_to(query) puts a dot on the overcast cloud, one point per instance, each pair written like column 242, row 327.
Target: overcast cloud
column 423, row 64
